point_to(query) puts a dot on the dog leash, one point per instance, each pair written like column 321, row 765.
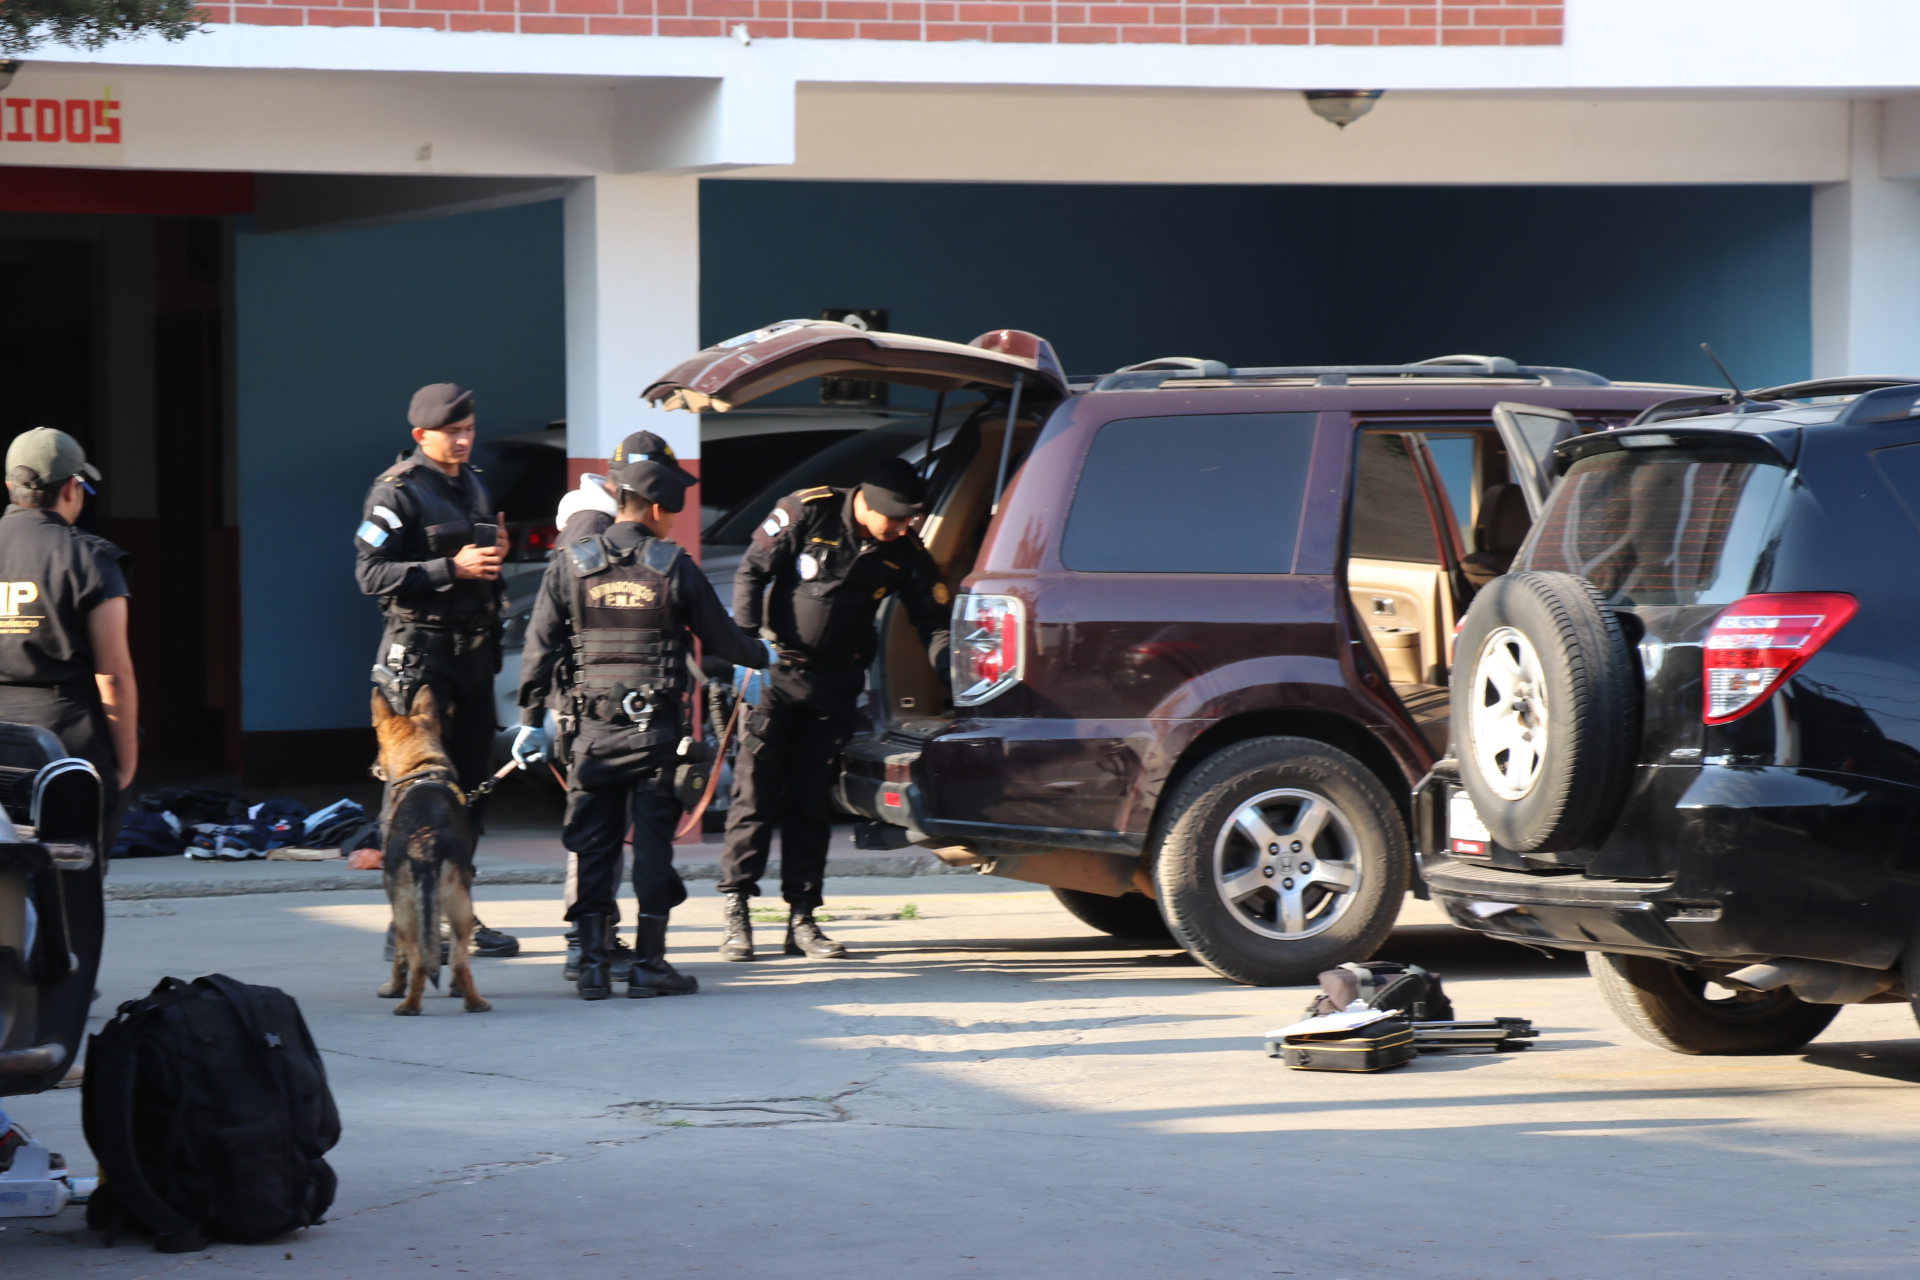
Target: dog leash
column 485, row 789
column 691, row 822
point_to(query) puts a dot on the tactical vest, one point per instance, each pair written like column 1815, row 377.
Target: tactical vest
column 629, row 646
column 445, row 525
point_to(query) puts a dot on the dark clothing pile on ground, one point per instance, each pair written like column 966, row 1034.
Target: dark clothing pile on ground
column 212, row 825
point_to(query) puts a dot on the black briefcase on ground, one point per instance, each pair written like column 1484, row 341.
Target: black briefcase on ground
column 1374, row 1047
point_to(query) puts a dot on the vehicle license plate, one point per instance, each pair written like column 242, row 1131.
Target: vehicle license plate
column 1468, row 835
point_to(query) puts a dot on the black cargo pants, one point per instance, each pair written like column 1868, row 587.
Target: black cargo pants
column 783, row 778
column 610, row 785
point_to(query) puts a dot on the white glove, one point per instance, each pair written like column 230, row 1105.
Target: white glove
column 529, row 746
column 592, row 495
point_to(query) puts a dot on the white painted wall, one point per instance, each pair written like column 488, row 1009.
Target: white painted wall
column 1054, row 134
column 1866, row 263
column 268, row 121
column 410, row 123
column 633, row 306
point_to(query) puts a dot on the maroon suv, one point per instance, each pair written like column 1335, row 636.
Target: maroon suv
column 1204, row 620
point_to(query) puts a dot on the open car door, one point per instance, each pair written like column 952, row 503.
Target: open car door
column 754, row 364
column 1530, row 433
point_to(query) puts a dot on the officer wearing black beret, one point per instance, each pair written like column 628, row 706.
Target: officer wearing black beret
column 812, row 581
column 439, row 588
column 612, row 628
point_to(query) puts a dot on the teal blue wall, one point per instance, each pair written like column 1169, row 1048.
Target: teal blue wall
column 335, row 332
column 1626, row 281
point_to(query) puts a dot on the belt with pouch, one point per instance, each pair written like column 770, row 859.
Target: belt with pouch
column 443, row 642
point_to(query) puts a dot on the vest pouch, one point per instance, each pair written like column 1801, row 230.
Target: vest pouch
column 609, row 755
column 690, row 782
column 445, row 539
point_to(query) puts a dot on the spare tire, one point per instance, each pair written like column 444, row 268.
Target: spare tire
column 1546, row 711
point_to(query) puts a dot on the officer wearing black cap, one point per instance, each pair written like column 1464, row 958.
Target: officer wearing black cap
column 611, row 628
column 812, row 580
column 439, row 588
column 64, row 660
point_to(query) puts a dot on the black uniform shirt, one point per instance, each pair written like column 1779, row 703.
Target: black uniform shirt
column 550, row 631
column 827, row 580
column 415, row 518
column 51, row 577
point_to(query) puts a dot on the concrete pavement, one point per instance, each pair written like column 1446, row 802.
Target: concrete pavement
column 993, row 1090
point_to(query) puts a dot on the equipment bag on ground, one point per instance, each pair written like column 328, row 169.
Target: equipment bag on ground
column 1374, row 1047
column 1383, row 984
column 207, row 1106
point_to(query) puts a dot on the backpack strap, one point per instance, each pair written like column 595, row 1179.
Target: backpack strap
column 111, row 1083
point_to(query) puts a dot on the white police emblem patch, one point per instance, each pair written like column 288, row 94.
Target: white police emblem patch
column 809, row 567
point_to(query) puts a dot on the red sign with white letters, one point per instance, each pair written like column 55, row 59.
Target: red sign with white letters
column 82, row 120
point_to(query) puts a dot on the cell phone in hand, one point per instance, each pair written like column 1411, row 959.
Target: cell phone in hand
column 486, row 535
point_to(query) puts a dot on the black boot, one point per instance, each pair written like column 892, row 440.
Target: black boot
column 805, row 939
column 596, row 973
column 492, row 944
column 650, row 974
column 619, row 954
column 738, row 944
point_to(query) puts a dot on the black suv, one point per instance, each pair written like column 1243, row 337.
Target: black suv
column 1205, row 620
column 1685, row 727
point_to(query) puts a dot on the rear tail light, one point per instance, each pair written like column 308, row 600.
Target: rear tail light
column 536, row 541
column 989, row 647
column 1758, row 642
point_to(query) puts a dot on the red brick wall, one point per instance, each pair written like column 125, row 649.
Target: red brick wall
column 1410, row 22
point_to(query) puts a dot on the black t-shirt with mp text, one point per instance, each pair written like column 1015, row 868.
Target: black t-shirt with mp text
column 52, row 576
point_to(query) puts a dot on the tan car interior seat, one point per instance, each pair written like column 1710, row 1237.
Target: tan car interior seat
column 1498, row 533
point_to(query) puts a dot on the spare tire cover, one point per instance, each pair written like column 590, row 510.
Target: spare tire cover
column 1546, row 711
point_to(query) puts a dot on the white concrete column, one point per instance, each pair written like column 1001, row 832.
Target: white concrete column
column 633, row 308
column 1866, row 261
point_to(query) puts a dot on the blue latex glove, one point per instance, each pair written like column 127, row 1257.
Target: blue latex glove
column 530, row 745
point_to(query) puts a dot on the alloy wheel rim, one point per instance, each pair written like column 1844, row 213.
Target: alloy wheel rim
column 1287, row 864
column 1508, row 714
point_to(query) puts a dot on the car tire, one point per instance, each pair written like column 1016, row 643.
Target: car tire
column 1253, row 914
column 1546, row 711
column 1131, row 915
column 1668, row 1005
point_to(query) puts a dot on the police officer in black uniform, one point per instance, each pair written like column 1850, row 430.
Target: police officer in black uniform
column 612, row 626
column 812, row 580
column 64, row 660
column 439, row 588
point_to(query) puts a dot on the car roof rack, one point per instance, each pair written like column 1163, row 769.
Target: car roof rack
column 1153, row 373
column 1771, row 397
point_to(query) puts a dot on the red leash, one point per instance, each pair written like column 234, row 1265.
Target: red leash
column 692, row 821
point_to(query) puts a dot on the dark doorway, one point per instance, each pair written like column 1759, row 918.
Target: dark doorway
column 119, row 338
column 192, row 585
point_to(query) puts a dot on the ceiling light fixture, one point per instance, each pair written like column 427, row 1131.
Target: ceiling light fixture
column 1341, row 106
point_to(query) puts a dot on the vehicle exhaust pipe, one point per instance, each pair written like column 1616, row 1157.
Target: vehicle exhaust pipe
column 1815, row 981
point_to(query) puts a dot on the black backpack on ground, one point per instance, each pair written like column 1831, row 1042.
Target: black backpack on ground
column 207, row 1106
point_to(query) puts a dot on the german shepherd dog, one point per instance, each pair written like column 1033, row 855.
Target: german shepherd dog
column 429, row 854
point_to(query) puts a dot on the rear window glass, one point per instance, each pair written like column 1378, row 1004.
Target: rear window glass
column 1211, row 493
column 1659, row 527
